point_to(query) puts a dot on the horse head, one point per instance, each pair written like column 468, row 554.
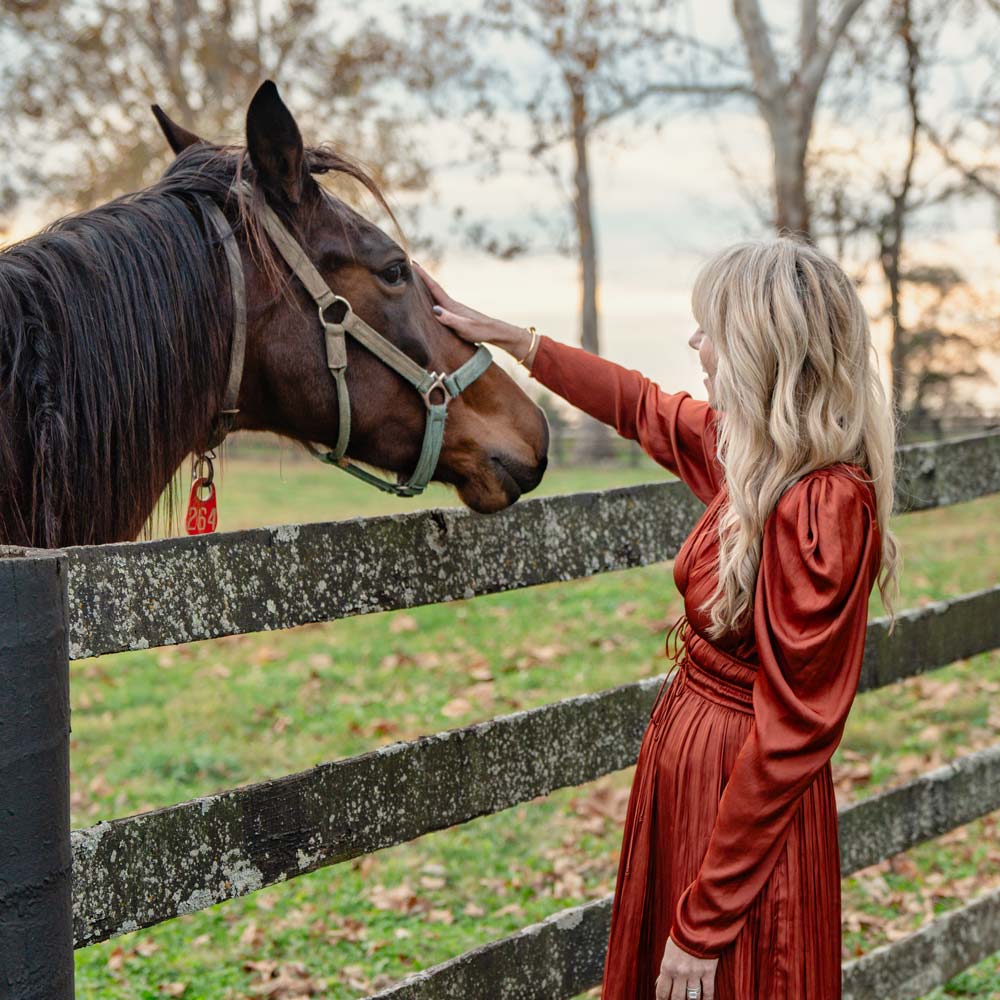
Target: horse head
column 495, row 438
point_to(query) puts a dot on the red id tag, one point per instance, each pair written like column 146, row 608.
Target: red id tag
column 202, row 517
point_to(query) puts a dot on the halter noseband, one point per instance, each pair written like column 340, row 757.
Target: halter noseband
column 427, row 383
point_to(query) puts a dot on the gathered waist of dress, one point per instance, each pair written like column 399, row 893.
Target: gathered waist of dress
column 709, row 671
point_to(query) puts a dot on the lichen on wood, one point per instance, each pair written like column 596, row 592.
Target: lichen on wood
column 143, row 869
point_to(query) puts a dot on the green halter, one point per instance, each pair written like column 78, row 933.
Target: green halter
column 427, row 383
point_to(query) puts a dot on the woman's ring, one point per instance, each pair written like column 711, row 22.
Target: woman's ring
column 693, row 992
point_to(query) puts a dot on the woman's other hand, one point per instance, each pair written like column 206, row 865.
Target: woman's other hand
column 679, row 970
column 473, row 326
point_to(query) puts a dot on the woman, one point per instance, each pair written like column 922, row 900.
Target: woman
column 729, row 879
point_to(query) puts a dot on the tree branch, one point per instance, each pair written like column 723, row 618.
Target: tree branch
column 768, row 84
column 814, row 72
column 808, row 30
column 972, row 174
column 629, row 102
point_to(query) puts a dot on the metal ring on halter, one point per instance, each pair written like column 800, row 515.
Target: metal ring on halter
column 438, row 383
column 199, row 463
column 336, row 300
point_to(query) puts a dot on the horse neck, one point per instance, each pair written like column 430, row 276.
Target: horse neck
column 114, row 362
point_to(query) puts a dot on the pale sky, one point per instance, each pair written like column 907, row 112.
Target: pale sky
column 664, row 205
column 664, row 202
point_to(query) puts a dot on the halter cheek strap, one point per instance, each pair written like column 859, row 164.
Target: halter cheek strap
column 427, row 383
column 226, row 419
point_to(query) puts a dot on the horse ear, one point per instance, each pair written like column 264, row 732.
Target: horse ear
column 178, row 137
column 275, row 143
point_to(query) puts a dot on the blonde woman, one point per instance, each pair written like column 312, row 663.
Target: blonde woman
column 729, row 877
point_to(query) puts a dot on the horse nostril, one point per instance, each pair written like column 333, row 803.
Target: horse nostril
column 525, row 477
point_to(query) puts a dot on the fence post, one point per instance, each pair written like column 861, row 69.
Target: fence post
column 36, row 913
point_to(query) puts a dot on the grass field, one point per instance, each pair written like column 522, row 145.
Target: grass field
column 157, row 727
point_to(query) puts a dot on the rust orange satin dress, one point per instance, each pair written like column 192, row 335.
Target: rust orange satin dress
column 730, row 842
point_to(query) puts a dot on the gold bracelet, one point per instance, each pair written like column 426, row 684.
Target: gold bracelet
column 531, row 346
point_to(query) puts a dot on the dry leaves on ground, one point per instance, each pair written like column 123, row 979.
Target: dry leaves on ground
column 283, row 981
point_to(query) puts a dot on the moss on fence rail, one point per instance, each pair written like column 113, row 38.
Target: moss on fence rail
column 138, row 871
column 138, row 595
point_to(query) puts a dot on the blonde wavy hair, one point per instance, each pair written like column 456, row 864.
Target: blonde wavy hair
column 797, row 388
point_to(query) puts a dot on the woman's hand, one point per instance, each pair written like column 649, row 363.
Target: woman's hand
column 679, row 971
column 473, row 326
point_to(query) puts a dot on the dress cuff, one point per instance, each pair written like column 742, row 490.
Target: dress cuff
column 680, row 937
column 536, row 364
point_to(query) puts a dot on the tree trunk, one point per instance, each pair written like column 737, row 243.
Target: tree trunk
column 894, row 228
column 787, row 101
column 790, row 139
column 889, row 257
column 596, row 442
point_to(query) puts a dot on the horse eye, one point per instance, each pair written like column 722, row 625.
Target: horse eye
column 395, row 274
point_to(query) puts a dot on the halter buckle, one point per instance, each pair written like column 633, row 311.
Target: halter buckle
column 437, row 383
column 328, row 302
column 336, row 347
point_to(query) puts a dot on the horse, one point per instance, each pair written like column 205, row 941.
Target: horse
column 118, row 327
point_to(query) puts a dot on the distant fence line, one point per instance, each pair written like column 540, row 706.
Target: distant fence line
column 567, row 436
column 140, row 870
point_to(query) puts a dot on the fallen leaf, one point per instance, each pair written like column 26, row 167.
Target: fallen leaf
column 403, row 623
column 252, row 937
column 455, row 708
column 400, row 898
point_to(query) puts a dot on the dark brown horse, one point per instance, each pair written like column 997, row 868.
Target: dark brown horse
column 117, row 327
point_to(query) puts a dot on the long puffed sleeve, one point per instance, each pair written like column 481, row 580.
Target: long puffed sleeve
column 819, row 561
column 673, row 428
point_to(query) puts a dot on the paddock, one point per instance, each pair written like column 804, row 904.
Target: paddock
column 62, row 889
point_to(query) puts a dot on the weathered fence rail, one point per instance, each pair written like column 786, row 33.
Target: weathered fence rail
column 870, row 831
column 139, row 870
column 907, row 969
column 143, row 869
column 142, row 594
column 563, row 955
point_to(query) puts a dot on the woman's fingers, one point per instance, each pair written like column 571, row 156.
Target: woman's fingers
column 440, row 296
column 466, row 328
column 471, row 325
column 681, row 971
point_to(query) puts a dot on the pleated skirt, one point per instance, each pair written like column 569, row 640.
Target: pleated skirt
column 790, row 945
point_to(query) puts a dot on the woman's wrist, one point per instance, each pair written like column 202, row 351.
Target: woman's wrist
column 519, row 342
column 529, row 360
column 526, row 356
column 516, row 340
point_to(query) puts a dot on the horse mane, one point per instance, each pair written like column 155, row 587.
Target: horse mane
column 115, row 332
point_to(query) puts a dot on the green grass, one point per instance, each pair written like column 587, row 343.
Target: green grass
column 288, row 487
column 156, row 727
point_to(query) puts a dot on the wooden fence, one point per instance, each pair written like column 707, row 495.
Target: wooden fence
column 61, row 889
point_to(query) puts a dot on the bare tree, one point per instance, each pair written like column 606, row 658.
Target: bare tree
column 890, row 228
column 968, row 141
column 939, row 324
column 582, row 68
column 78, row 77
column 787, row 95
